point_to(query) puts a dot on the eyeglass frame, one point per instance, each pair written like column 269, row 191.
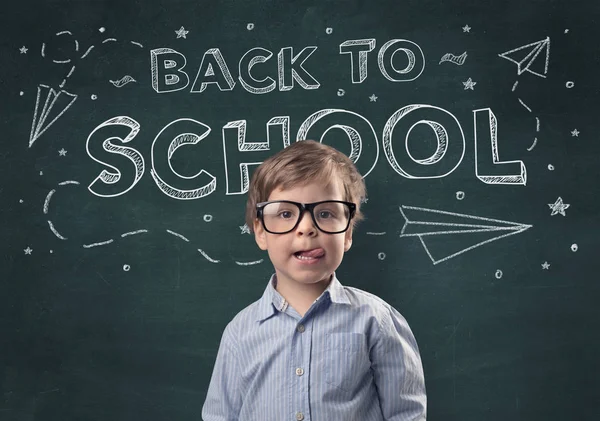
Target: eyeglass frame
column 310, row 207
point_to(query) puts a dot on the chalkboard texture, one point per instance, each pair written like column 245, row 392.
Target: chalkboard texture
column 129, row 131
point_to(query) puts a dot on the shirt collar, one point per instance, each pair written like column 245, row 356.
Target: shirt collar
column 272, row 301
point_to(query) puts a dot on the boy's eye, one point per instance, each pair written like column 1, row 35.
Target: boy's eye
column 285, row 214
column 325, row 215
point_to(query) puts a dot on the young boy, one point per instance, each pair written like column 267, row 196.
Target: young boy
column 311, row 348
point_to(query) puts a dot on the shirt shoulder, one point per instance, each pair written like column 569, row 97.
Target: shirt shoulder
column 359, row 297
column 243, row 321
column 376, row 307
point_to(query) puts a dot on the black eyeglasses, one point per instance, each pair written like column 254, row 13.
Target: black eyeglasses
column 283, row 216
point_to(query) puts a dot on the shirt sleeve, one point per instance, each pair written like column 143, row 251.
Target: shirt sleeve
column 223, row 399
column 398, row 371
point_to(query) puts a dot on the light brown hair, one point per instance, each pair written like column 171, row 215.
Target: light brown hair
column 301, row 163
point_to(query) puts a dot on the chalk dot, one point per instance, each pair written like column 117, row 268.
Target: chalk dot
column 341, row 92
column 102, row 29
column 381, row 256
column 126, row 268
column 570, row 84
column 551, row 167
column 94, row 97
column 20, row 200
column 21, row 93
column 250, row 26
column 329, row 31
column 208, row 218
column 41, row 172
column 566, row 31
column 51, row 251
column 498, row 274
column 460, row 195
column 574, row 247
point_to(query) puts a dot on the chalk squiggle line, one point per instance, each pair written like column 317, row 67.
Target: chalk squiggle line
column 207, row 257
column 87, row 52
column 178, row 235
column 532, row 146
column 54, row 231
column 537, row 120
column 64, row 183
column 376, row 233
column 123, row 81
column 458, row 60
column 133, row 233
column 249, row 263
column 126, row 234
column 103, row 243
column 47, row 201
column 523, row 104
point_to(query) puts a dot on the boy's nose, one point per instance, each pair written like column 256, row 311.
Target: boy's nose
column 306, row 226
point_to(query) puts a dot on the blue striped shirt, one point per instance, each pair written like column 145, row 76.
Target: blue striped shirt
column 351, row 357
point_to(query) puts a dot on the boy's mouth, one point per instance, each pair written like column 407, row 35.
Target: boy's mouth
column 310, row 255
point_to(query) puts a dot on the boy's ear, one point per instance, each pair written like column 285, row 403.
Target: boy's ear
column 260, row 235
column 348, row 239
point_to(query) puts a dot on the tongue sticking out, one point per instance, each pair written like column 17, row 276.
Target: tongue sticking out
column 314, row 253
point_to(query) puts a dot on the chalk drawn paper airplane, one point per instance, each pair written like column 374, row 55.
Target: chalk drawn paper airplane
column 526, row 57
column 443, row 230
column 55, row 105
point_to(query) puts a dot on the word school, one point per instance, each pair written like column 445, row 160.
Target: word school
column 109, row 145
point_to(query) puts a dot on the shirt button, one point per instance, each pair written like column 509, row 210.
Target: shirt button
column 299, row 371
column 300, row 328
column 299, row 416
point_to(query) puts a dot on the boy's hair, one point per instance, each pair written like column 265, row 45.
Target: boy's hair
column 301, row 163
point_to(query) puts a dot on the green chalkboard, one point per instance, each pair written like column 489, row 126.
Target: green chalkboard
column 129, row 131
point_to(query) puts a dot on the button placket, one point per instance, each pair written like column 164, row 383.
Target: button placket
column 300, row 364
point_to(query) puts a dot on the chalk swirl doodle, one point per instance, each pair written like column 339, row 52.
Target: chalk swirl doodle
column 458, row 60
column 123, row 81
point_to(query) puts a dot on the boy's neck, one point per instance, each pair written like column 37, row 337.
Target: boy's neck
column 302, row 296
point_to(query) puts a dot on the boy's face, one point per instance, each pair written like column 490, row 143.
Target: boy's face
column 327, row 249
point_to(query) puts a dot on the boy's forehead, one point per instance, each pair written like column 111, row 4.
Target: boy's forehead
column 333, row 189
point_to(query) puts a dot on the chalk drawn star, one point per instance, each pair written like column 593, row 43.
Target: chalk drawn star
column 373, row 98
column 245, row 229
column 466, row 28
column 575, row 133
column 181, row 33
column 28, row 250
column 469, row 84
column 23, row 50
column 545, row 265
column 62, row 152
column 558, row 207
